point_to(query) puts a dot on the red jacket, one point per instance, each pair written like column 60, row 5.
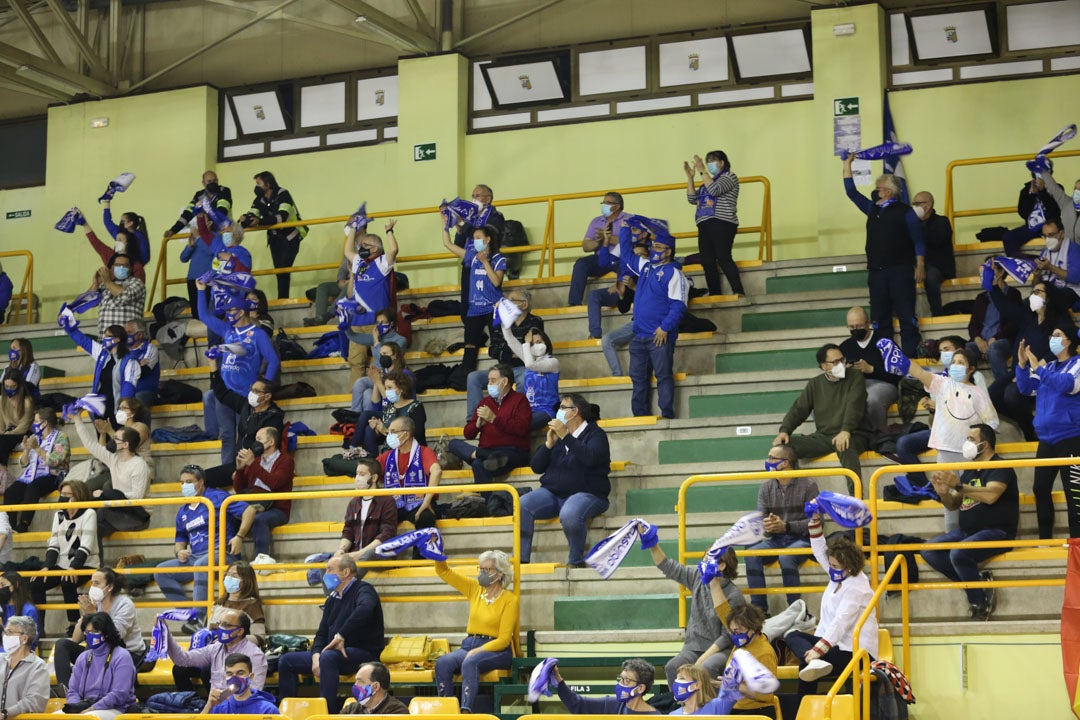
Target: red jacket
column 511, row 426
column 381, row 523
column 254, row 479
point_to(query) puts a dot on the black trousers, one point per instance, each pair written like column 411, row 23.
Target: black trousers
column 28, row 493
column 892, row 292
column 283, row 252
column 475, row 326
column 716, row 238
column 70, row 591
column 799, row 642
column 1044, row 485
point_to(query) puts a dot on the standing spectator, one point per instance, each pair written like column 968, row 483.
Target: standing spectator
column 233, row 635
column 130, row 480
column 21, row 358
column 1059, row 262
column 486, row 268
column 574, row 464
column 72, row 545
column 271, row 471
column 634, row 680
column 274, row 205
column 781, row 501
column 401, row 401
column 1056, row 387
column 464, row 233
column 940, row 261
column 837, row 399
column 16, row 412
column 254, row 411
column 116, row 371
column 242, row 698
column 861, row 353
column 200, row 260
column 601, row 243
column 992, row 336
column 894, row 244
column 372, row 693
column 192, row 546
column 122, row 295
column 989, row 506
column 659, row 306
column 132, row 226
column 149, row 367
column 494, row 611
column 219, row 197
column 7, row 290
column 717, row 218
column 408, row 464
column 326, row 294
column 541, row 382
column 125, row 244
column 45, row 456
column 15, row 597
column 26, row 691
column 1069, row 206
column 1034, row 205
column 500, row 352
column 621, row 296
column 350, row 633
column 371, row 262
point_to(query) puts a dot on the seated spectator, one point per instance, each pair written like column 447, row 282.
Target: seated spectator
column 502, row 420
column 951, row 347
column 15, row 597
column 781, row 501
column 242, row 698
column 45, row 456
column 991, row 334
column 21, row 358
column 26, row 691
column 692, row 688
column 940, row 260
column 494, row 610
column 988, row 503
column 7, row 290
column 326, row 294
column 829, row 649
column 620, row 295
column 384, row 331
column 408, row 464
column 125, row 243
column 241, row 593
column 123, row 296
column 16, row 412
column 635, row 679
column 400, row 401
column 254, row 410
column 372, row 693
column 146, row 353
column 704, row 640
column 350, row 634
column 1034, row 205
column 192, row 538
column 601, row 243
column 371, row 269
column 233, row 636
column 132, row 414
column 541, row 382
column 574, row 464
column 1059, row 262
column 72, row 545
column 837, row 398
column 368, row 392
column 107, row 692
column 106, row 595
column 861, row 353
column 271, row 471
column 477, row 380
column 745, row 624
column 111, row 359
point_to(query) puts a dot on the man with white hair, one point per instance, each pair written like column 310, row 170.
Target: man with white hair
column 940, row 260
column 895, row 256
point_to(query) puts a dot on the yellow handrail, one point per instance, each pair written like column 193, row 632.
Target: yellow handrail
column 546, row 248
column 26, row 288
column 862, row 657
column 950, row 202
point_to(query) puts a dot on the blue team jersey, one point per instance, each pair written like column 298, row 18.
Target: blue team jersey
column 483, row 294
column 192, row 526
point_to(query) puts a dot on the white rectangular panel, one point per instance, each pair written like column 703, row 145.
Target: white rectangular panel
column 1043, row 25
column 671, row 103
column 322, row 105
column 609, row 71
column 303, row 143
column 229, row 129
column 389, row 132
column 525, row 83
column 501, row 120
column 481, row 98
column 573, row 113
column 353, row 137
column 701, row 60
column 258, row 113
column 1026, row 67
column 377, row 97
column 922, row 76
column 782, row 52
column 797, row 89
column 1065, row 63
column 243, row 150
column 954, row 34
column 733, row 96
column 901, row 50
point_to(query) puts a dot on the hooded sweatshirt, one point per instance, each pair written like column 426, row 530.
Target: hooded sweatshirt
column 259, row 703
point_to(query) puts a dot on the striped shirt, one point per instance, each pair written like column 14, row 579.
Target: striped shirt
column 787, row 502
column 724, row 191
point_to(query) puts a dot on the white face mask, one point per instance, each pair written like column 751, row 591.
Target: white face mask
column 363, row 482
column 838, row 371
column 122, row 416
column 253, row 398
column 1036, row 302
column 96, row 595
column 12, row 643
column 119, row 247
column 970, row 450
column 920, row 211
column 1052, row 243
column 539, row 350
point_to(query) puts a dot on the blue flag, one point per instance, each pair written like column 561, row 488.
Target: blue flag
column 893, row 164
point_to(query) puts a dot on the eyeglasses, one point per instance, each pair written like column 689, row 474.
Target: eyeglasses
column 626, row 680
column 837, row 361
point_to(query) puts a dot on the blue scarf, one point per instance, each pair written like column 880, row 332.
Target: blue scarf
column 413, row 477
column 159, row 645
column 38, row 466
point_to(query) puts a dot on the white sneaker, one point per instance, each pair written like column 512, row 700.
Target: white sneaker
column 264, row 559
column 814, row 670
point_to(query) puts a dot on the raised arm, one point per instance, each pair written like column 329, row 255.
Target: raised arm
column 447, row 242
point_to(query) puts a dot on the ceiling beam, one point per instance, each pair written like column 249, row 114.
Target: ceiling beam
column 10, row 80
column 505, row 23
column 209, row 46
column 115, row 13
column 351, row 32
column 92, row 58
column 392, row 26
column 14, row 57
column 20, row 9
column 421, row 19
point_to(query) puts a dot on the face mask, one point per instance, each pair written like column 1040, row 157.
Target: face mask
column 1036, row 302
column 188, row 489
column 958, row 372
column 253, row 398
column 63, row 498
column 857, row 333
column 133, row 341
column 122, row 416
column 363, row 482
column 681, row 690
column 1057, row 344
column 363, row 253
column 37, row 427
column 12, row 643
column 257, row 448
column 226, row 636
column 331, row 581
column 838, row 371
column 478, row 244
column 10, row 392
column 386, row 362
column 362, row 693
column 773, row 466
column 212, row 187
column 485, row 578
column 238, row 685
column 393, row 441
column 1052, row 243
column 13, row 355
column 946, row 357
column 232, row 584
column 740, row 639
column 1076, row 198
column 563, row 415
column 837, row 575
column 94, row 639
column 624, row 693
column 119, row 247
column 5, row 595
column 605, row 209
column 919, row 211
column 251, row 305
column 969, row 450
column 234, row 318
column 108, row 342
column 656, row 257
column 392, row 395
column 96, row 595
column 382, row 328
column 259, row 190
column 120, row 272
column 713, row 168
column 539, row 350
column 493, row 391
column 227, row 239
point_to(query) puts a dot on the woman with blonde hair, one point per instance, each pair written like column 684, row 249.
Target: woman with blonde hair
column 694, row 691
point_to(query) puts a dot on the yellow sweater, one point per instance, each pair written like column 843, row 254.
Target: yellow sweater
column 762, row 651
column 497, row 620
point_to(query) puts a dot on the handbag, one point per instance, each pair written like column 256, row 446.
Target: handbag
column 280, row 643
column 401, row 649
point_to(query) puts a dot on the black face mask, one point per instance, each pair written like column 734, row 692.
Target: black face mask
column 259, row 191
column 5, row 595
column 257, row 448
column 213, row 188
column 385, row 361
column 364, row 253
column 858, row 333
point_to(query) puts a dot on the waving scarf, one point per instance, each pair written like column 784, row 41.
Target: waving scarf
column 427, row 541
column 359, row 219
column 71, row 219
column 159, row 638
column 85, row 301
column 606, row 555
column 846, row 511
column 747, row 530
column 540, row 681
column 120, row 184
column 896, row 362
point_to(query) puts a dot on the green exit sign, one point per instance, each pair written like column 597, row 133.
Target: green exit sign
column 16, row 214
column 423, row 152
column 845, row 106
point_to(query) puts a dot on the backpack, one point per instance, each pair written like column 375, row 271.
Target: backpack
column 443, row 308
column 693, row 324
column 514, row 236
column 287, row 348
column 186, row 434
column 174, row 392
column 338, row 466
column 294, row 390
column 172, row 338
column 431, row 377
column 327, row 345
column 169, row 309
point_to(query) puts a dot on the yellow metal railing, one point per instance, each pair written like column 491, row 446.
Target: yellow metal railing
column 568, row 716
column 950, row 195
column 546, row 248
column 26, row 287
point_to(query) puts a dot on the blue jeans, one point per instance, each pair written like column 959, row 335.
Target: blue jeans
column 646, row 358
column 221, row 421
column 172, row 584
column 261, row 527
column 361, row 395
column 962, row 565
column 332, row 665
column 599, row 299
column 471, row 668
column 908, row 448
column 574, row 513
column 611, row 343
column 585, row 268
column 789, row 566
column 476, row 387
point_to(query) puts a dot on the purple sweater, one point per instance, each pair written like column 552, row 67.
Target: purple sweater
column 111, row 684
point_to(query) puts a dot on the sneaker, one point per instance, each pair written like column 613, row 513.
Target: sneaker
column 815, row 670
column 978, row 612
column 991, row 593
column 697, row 292
column 191, row 627
column 264, row 559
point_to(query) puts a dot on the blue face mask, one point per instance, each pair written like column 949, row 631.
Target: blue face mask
column 478, row 244
column 108, row 342
column 331, row 581
column 94, row 640
column 656, row 257
column 713, row 167
column 13, row 355
column 361, row 692
column 10, row 392
column 681, row 690
column 837, row 575
column 771, row 466
column 188, row 489
column 224, row 636
column 624, row 693
column 37, row 427
column 605, row 209
column 392, row 395
column 493, row 391
column 121, row 272
column 740, row 639
column 228, row 239
column 958, row 372
column 232, row 584
column 234, row 317
column 382, row 328
column 238, row 685
column 563, row 415
column 946, row 357
column 1057, row 344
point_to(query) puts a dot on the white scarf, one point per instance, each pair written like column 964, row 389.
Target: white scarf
column 38, row 465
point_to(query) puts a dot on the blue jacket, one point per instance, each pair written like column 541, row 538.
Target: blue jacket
column 607, row 705
column 576, row 464
column 144, row 242
column 1057, row 402
column 661, row 295
column 7, row 289
column 260, row 703
column 199, row 258
column 239, row 372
